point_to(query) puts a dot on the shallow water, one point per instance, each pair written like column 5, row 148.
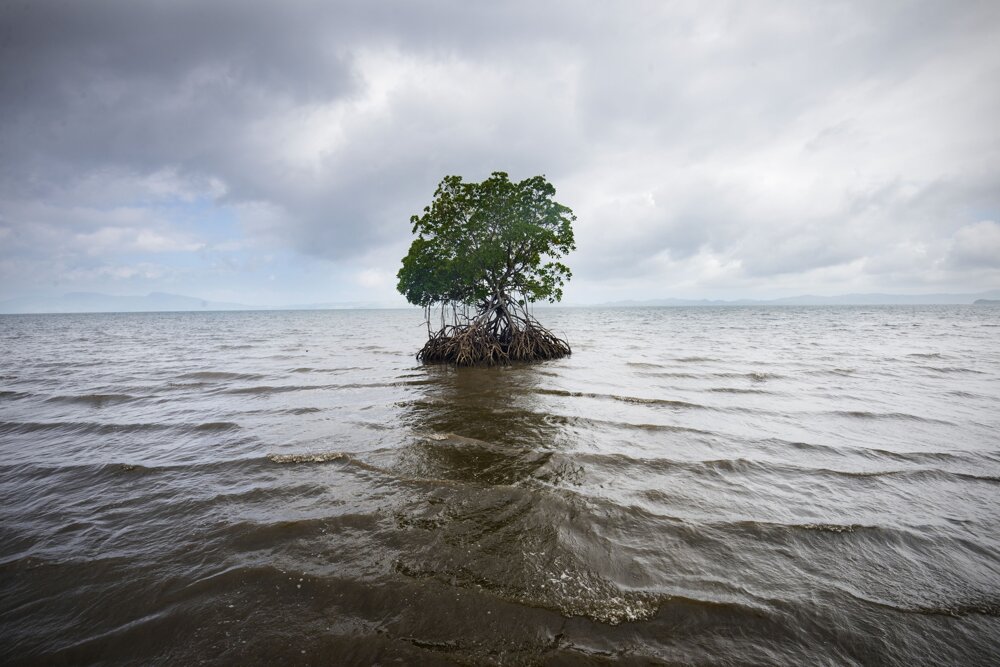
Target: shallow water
column 708, row 485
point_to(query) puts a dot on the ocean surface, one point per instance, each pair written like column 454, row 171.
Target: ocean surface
column 772, row 485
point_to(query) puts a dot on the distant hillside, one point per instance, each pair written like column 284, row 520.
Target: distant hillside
column 93, row 302
column 344, row 305
column 840, row 300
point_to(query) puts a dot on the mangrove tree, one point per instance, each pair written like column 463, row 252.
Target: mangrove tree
column 483, row 253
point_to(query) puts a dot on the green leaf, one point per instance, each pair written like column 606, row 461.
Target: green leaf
column 476, row 240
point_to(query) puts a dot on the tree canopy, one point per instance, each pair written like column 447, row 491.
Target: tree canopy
column 480, row 243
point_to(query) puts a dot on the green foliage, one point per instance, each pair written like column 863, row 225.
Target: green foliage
column 480, row 242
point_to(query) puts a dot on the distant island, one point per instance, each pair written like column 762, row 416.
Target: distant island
column 95, row 302
column 154, row 302
column 838, row 300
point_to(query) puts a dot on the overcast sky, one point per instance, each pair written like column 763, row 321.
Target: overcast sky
column 272, row 153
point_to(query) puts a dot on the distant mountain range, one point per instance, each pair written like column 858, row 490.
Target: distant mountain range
column 93, row 302
column 813, row 300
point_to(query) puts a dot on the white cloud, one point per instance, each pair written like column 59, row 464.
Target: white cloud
column 373, row 278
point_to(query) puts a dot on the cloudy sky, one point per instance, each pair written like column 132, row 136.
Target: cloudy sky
column 272, row 153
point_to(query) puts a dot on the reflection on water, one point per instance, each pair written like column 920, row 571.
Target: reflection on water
column 503, row 441
column 758, row 485
column 503, row 524
column 495, row 405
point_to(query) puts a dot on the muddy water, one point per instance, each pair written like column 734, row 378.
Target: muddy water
column 716, row 485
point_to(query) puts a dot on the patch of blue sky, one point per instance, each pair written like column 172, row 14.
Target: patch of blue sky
column 202, row 218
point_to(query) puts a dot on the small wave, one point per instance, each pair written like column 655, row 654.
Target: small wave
column 694, row 359
column 216, row 426
column 918, row 474
column 629, row 465
column 187, row 385
column 753, row 376
column 13, row 395
column 964, row 394
column 374, row 426
column 98, row 428
column 871, row 452
column 130, row 467
column 814, row 526
column 79, row 469
column 955, row 609
column 977, row 478
column 832, row 527
column 840, row 372
column 95, row 400
column 655, row 401
column 760, row 528
column 904, row 416
column 272, row 389
column 104, row 428
column 737, row 465
column 137, row 468
column 301, row 411
column 628, row 426
column 219, row 375
column 927, row 355
column 623, row 399
column 952, row 369
column 642, row 364
column 571, row 592
column 281, row 389
column 228, row 464
column 737, row 390
column 668, row 374
column 264, row 534
column 961, row 609
column 318, row 457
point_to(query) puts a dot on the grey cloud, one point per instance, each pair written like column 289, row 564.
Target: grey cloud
column 192, row 86
column 144, row 85
column 976, row 246
column 325, row 125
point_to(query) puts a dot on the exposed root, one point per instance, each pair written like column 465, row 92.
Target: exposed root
column 499, row 334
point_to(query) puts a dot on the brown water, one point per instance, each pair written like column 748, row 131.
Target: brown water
column 696, row 486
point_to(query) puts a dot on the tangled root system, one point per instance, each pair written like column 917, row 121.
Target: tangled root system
column 498, row 335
